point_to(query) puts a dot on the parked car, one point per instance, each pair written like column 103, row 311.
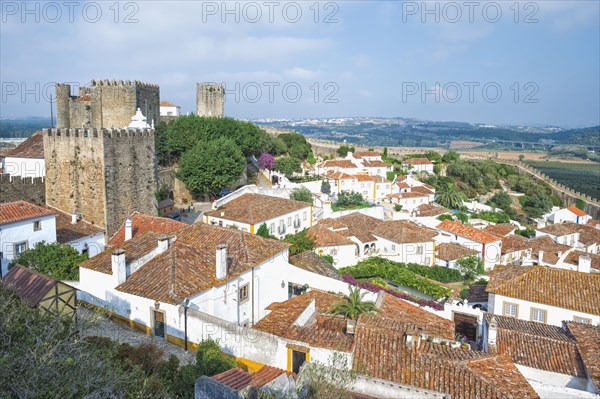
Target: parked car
column 224, row 192
column 174, row 215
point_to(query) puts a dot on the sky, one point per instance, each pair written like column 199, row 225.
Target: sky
column 503, row 62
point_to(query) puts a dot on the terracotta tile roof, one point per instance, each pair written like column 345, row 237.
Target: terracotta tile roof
column 452, row 251
column 363, row 154
column 17, row 211
column 417, row 161
column 577, row 211
column 538, row 345
column 403, row 231
column 68, row 232
column 167, row 104
column 573, row 259
column 560, row 229
column 141, row 224
column 312, row 262
column 325, row 237
column 500, row 229
column 29, row 285
column 256, row 208
column 234, row 378
column 550, row 248
column 365, row 178
column 385, row 355
column 339, row 163
column 266, row 374
column 408, row 195
column 477, row 293
column 548, row 285
column 514, row 243
column 588, row 235
column 188, row 266
column 356, row 225
column 466, row 231
column 587, row 339
column 594, row 223
column 425, row 210
column 165, row 203
column 338, row 175
column 422, row 190
column 375, row 164
column 33, row 147
column 403, row 185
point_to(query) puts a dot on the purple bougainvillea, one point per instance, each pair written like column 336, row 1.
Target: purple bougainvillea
column 266, row 161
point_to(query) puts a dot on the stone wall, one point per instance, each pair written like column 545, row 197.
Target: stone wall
column 106, row 104
column 16, row 188
column 103, row 175
column 210, row 99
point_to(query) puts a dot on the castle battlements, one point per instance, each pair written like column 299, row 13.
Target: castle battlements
column 121, row 83
column 95, row 133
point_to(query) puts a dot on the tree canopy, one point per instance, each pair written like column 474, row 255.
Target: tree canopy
column 301, row 242
column 60, row 261
column 353, row 305
column 211, row 166
column 302, row 194
column 288, row 166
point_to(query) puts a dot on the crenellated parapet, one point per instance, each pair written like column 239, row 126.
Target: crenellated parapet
column 98, row 133
column 122, row 83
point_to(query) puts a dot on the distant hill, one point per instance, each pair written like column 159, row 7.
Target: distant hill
column 23, row 127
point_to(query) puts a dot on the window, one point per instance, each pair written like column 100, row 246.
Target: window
column 37, row 225
column 393, row 247
column 583, row 320
column 419, row 250
column 272, row 228
column 538, row 315
column 510, row 309
column 304, row 216
column 20, row 247
column 289, row 221
column 243, row 293
column 333, row 252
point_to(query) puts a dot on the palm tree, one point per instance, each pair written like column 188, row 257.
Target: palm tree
column 449, row 197
column 353, row 305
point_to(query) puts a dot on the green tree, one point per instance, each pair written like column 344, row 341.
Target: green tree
column 210, row 360
column 385, row 152
column 343, row 150
column 449, row 197
column 288, row 166
column 60, row 261
column 353, row 305
column 536, row 204
column 450, row 156
column 521, row 157
column 501, row 200
column 209, row 167
column 579, row 203
column 302, row 194
column 311, row 158
column 263, row 231
column 463, row 217
column 327, row 258
column 331, row 380
column 161, row 145
column 300, row 242
column 470, row 266
column 397, row 207
column 349, row 198
column 444, row 216
column 325, row 187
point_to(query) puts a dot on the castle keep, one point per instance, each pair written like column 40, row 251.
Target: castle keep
column 101, row 174
column 210, row 99
column 106, row 104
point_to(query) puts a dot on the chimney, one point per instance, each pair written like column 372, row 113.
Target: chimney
column 559, row 254
column 118, row 265
column 540, row 257
column 585, row 264
column 492, row 335
column 598, row 226
column 74, row 217
column 221, row 263
column 163, row 243
column 128, row 229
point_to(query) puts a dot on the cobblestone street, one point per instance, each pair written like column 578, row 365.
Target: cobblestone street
column 94, row 324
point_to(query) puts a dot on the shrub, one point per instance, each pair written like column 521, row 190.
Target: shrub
column 302, row 194
column 397, row 207
column 325, row 187
column 349, row 198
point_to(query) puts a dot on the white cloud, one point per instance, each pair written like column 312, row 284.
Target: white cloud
column 301, row 74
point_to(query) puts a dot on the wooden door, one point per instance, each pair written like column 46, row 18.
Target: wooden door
column 159, row 324
column 465, row 325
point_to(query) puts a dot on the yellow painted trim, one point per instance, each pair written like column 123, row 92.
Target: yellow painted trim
column 307, row 357
column 206, row 220
column 433, row 257
column 289, row 360
column 338, row 186
column 252, row 229
column 374, row 190
column 250, row 365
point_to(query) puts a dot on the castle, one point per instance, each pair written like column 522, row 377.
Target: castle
column 102, row 175
column 210, row 99
column 106, row 104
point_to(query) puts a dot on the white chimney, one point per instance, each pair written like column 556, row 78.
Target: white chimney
column 540, row 257
column 598, row 226
column 585, row 264
column 559, row 254
column 128, row 229
column 163, row 243
column 118, row 265
column 221, row 263
column 74, row 217
column 492, row 335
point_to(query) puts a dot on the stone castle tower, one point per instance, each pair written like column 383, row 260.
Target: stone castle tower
column 106, row 104
column 103, row 175
column 210, row 99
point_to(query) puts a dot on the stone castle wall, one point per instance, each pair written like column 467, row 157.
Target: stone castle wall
column 106, row 104
column 16, row 188
column 101, row 174
column 210, row 99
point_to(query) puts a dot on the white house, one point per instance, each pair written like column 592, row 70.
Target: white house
column 356, row 227
column 572, row 214
column 416, row 165
column 488, row 245
column 27, row 159
column 81, row 235
column 169, row 109
column 367, row 163
column 329, row 242
column 22, row 225
column 409, row 200
column 249, row 211
column 544, row 294
column 446, row 254
column 405, row 241
column 581, row 236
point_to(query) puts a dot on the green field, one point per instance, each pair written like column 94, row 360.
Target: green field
column 582, row 177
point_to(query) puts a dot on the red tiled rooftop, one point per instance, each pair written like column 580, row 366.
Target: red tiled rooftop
column 33, row 147
column 141, row 224
column 466, row 231
column 17, row 211
column 417, row 161
column 577, row 211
